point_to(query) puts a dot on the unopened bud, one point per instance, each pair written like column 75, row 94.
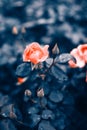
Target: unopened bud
column 23, row 30
column 55, row 49
column 15, row 30
column 40, row 93
column 27, row 92
column 42, row 76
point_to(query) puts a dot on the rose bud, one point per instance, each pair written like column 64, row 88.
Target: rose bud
column 27, row 92
column 55, row 49
column 40, row 93
column 15, row 30
column 23, row 30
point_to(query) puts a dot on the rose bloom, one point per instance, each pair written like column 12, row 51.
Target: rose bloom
column 35, row 53
column 80, row 54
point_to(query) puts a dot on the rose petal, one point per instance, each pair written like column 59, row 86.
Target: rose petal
column 34, row 57
column 35, row 46
column 85, row 56
column 86, row 76
column 21, row 80
column 79, row 59
column 82, row 49
column 72, row 64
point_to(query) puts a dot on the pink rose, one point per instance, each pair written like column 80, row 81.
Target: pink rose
column 35, row 53
column 80, row 54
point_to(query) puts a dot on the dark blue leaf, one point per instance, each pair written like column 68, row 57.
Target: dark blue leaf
column 56, row 96
column 58, row 73
column 46, row 114
column 63, row 58
column 49, row 62
column 32, row 110
column 45, row 125
column 34, row 120
column 23, row 69
column 7, row 125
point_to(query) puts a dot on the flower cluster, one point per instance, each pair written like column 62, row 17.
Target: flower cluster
column 36, row 54
column 44, row 81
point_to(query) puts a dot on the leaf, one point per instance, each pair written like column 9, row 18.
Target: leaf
column 56, row 96
column 33, row 110
column 58, row 73
column 7, row 124
column 23, row 70
column 11, row 111
column 47, row 114
column 33, row 120
column 63, row 58
column 45, row 125
column 49, row 62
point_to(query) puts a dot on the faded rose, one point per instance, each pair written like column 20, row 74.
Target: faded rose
column 21, row 80
column 80, row 54
column 35, row 53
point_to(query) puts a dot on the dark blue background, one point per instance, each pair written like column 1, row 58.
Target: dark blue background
column 48, row 22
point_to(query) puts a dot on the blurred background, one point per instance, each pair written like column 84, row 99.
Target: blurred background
column 45, row 21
